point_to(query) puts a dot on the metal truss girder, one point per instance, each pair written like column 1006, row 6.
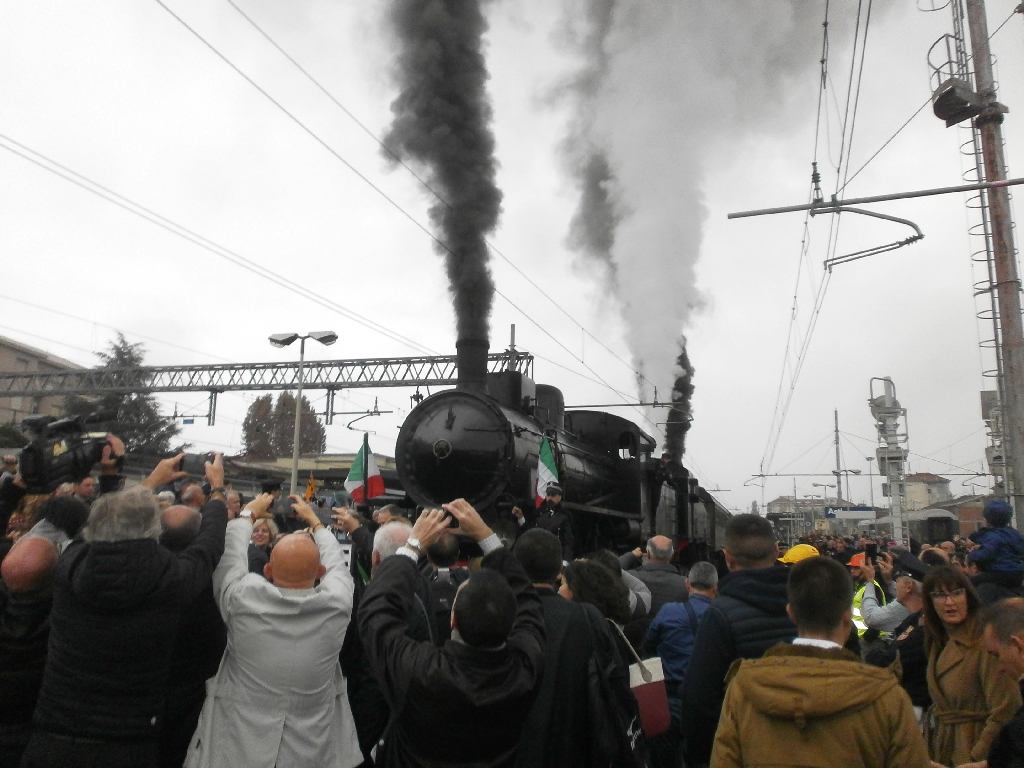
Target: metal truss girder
column 431, row 371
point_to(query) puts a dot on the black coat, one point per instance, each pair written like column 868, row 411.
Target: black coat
column 557, row 730
column 746, row 619
column 198, row 648
column 116, row 609
column 1007, row 750
column 556, row 521
column 24, row 635
column 456, row 705
column 258, row 557
column 914, row 660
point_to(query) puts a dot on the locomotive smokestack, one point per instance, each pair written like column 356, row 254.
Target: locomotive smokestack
column 471, row 359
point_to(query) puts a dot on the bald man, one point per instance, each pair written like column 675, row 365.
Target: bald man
column 25, row 601
column 667, row 585
column 279, row 697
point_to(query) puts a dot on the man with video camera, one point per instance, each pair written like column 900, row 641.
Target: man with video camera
column 117, row 600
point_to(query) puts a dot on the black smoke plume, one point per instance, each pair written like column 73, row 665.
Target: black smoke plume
column 680, row 414
column 593, row 225
column 442, row 122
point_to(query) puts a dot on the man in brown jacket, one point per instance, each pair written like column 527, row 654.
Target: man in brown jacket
column 812, row 703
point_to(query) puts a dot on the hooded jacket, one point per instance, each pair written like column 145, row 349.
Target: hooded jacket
column 805, row 706
column 116, row 607
column 746, row 619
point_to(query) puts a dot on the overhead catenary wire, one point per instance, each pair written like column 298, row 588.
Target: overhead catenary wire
column 131, row 206
column 115, row 328
column 48, row 164
column 917, row 112
column 849, row 124
column 426, row 185
column 377, row 189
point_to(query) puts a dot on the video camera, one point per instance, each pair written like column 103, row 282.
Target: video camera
column 61, row 451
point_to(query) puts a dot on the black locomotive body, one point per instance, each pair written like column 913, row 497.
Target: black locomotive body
column 481, row 441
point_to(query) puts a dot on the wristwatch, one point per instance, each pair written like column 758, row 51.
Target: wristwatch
column 413, row 543
column 219, row 489
column 247, row 513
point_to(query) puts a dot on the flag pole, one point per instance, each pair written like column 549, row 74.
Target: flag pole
column 366, row 467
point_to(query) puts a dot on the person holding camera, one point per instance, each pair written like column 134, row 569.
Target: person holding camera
column 466, row 703
column 279, row 697
column 117, row 602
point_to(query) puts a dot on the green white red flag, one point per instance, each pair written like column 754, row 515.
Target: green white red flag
column 354, row 481
column 547, row 471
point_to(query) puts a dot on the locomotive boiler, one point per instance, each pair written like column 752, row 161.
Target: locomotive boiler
column 481, row 441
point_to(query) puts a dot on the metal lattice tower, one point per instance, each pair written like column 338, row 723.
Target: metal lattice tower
column 891, row 452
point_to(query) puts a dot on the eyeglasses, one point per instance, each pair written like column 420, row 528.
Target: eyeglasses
column 940, row 597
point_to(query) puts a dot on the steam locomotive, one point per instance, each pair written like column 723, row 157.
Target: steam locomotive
column 481, row 441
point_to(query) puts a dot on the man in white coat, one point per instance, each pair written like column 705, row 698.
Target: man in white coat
column 279, row 698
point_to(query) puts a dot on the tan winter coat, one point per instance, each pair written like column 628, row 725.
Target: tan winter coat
column 971, row 699
column 816, row 708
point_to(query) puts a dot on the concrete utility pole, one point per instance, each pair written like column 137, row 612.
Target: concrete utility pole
column 989, row 125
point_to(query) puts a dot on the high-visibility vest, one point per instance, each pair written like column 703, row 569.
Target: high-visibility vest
column 858, row 619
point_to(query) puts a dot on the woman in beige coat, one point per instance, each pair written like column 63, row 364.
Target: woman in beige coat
column 972, row 701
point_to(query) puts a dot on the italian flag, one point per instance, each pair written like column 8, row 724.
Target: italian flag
column 547, row 472
column 354, row 481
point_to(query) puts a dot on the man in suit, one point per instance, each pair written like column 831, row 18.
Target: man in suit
column 279, row 697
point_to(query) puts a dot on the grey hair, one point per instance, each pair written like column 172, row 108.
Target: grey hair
column 912, row 580
column 130, row 514
column 658, row 553
column 389, row 537
column 703, row 575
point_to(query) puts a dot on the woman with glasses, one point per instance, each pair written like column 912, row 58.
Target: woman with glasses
column 971, row 699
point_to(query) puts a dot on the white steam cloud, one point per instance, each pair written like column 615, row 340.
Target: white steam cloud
column 662, row 91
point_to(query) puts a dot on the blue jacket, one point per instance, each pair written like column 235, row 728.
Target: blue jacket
column 671, row 634
column 999, row 549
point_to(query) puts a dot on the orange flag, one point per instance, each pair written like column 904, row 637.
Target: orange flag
column 310, row 488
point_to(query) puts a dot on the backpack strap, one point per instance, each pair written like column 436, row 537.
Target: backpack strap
column 692, row 614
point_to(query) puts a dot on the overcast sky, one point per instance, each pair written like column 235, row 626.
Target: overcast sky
column 123, row 94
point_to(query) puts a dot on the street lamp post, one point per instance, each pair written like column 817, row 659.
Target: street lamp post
column 871, row 481
column 824, row 494
column 283, row 340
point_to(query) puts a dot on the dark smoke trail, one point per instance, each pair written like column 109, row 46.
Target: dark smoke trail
column 441, row 120
column 592, row 229
column 680, row 415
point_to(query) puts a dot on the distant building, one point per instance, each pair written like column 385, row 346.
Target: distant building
column 926, row 490
column 16, row 357
column 794, row 517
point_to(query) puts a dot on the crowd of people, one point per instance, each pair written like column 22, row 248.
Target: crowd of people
column 176, row 623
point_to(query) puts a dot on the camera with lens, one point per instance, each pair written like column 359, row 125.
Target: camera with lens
column 60, row 451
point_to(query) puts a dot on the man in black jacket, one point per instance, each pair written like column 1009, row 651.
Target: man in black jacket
column 748, row 617
column 117, row 601
column 553, row 518
column 26, row 597
column 198, row 647
column 464, row 704
column 557, row 732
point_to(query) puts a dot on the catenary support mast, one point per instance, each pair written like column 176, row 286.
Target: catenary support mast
column 989, row 125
